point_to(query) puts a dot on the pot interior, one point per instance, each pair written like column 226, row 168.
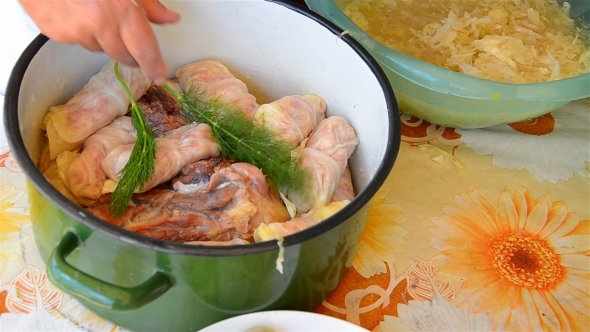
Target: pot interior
column 276, row 49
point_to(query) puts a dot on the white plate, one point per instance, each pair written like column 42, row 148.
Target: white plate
column 283, row 321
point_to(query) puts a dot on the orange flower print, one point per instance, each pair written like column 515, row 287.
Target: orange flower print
column 8, row 162
column 435, row 315
column 382, row 238
column 424, row 135
column 423, row 284
column 415, row 130
column 370, row 288
column 525, row 262
column 33, row 291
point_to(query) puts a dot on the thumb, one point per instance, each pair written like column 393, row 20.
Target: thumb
column 158, row 13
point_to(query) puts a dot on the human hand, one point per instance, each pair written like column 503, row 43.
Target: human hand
column 120, row 28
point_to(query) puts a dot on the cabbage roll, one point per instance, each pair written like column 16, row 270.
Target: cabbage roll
column 183, row 146
column 48, row 168
column 325, row 156
column 85, row 176
column 293, row 118
column 216, row 82
column 344, row 190
column 324, row 177
column 98, row 103
column 336, row 138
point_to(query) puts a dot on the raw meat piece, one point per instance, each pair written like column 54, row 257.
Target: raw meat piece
column 236, row 201
column 162, row 111
column 198, row 174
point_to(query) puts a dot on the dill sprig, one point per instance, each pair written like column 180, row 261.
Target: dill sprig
column 142, row 162
column 241, row 140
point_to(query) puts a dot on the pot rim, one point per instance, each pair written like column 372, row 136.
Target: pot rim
column 16, row 143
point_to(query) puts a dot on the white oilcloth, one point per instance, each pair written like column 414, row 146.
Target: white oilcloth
column 17, row 30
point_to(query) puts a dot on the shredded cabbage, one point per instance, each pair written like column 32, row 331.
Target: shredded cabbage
column 443, row 158
column 327, row 211
column 513, row 41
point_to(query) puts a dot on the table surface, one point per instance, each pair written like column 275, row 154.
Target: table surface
column 473, row 230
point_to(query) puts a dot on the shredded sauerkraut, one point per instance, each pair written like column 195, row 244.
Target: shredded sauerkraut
column 514, row 41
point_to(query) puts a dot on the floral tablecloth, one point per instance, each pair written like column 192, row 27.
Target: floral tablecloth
column 481, row 229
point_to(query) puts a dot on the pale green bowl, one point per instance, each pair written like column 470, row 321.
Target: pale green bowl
column 453, row 99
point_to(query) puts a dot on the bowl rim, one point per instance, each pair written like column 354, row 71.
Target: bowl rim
column 20, row 153
column 451, row 82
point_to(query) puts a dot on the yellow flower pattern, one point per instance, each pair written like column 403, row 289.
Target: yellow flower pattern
column 10, row 220
column 382, row 238
column 525, row 261
column 10, row 223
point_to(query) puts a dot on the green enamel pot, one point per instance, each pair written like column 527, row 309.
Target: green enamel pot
column 277, row 48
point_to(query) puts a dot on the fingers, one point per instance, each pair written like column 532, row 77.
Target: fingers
column 140, row 40
column 112, row 44
column 120, row 28
column 89, row 43
column 158, row 13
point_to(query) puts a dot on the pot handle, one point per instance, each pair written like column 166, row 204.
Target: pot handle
column 97, row 292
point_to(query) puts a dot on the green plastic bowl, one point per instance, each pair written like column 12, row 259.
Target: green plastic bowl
column 452, row 99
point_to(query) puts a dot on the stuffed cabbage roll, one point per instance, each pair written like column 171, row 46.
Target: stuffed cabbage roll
column 216, row 82
column 336, row 138
column 344, row 190
column 325, row 156
column 98, row 103
column 84, row 175
column 324, row 177
column 49, row 169
column 293, row 118
column 183, row 146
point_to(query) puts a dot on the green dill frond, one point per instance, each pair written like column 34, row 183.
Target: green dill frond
column 241, row 140
column 142, row 162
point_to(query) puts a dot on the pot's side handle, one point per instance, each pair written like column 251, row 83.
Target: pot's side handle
column 97, row 292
